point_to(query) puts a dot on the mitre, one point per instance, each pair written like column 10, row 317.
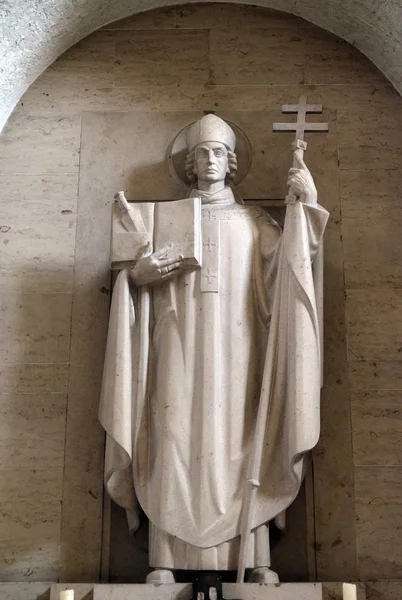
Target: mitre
column 210, row 129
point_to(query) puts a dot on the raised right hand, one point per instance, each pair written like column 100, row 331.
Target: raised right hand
column 156, row 268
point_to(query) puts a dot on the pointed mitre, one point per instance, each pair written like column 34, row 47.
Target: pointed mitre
column 210, row 129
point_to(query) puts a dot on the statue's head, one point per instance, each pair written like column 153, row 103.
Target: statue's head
column 211, row 157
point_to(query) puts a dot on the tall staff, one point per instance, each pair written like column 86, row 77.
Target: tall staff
column 252, row 482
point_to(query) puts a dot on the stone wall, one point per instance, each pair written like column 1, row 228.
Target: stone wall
column 98, row 120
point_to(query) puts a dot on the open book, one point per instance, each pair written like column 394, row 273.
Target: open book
column 175, row 222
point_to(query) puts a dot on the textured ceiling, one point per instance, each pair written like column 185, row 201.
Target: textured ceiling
column 33, row 33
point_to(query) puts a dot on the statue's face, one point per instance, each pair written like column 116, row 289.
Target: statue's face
column 211, row 162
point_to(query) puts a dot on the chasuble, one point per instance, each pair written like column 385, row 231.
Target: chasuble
column 183, row 376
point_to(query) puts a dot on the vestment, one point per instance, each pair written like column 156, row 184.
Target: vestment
column 182, row 382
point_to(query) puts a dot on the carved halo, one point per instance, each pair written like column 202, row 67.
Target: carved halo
column 177, row 151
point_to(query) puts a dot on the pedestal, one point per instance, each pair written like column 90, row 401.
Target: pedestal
column 231, row 591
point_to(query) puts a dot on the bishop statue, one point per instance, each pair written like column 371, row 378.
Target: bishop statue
column 192, row 356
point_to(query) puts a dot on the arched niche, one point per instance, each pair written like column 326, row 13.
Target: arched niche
column 99, row 119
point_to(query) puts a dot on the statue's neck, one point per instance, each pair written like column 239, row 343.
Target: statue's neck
column 211, row 188
column 223, row 197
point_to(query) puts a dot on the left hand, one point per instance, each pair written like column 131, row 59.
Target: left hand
column 301, row 182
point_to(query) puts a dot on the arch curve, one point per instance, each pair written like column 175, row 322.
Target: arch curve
column 33, row 33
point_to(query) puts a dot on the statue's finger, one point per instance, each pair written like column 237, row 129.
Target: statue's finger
column 298, row 176
column 296, row 187
column 169, row 260
column 171, row 273
column 167, row 268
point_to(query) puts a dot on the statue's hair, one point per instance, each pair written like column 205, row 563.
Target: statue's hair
column 190, row 166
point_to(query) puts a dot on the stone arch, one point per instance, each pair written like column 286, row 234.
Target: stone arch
column 33, row 34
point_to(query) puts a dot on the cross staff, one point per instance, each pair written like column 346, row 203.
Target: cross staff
column 252, row 482
column 300, row 127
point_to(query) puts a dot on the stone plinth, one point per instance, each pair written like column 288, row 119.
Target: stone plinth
column 231, row 591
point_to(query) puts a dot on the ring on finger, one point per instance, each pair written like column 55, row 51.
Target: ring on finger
column 165, row 270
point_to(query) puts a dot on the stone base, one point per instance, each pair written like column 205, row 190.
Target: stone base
column 231, row 591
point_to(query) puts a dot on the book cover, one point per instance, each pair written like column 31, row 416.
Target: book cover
column 178, row 222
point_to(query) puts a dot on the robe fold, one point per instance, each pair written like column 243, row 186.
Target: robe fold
column 183, row 380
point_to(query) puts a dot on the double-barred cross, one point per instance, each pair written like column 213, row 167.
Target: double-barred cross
column 301, row 125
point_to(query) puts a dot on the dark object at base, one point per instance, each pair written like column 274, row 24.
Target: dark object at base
column 207, row 586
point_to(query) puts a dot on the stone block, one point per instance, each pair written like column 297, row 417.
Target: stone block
column 160, row 58
column 66, row 96
column 371, row 216
column 161, row 18
column 383, row 590
column 330, row 60
column 55, row 138
column 35, row 378
column 231, row 17
column 25, row 591
column 30, row 524
column 231, row 591
column 374, row 323
column 214, row 98
column 367, row 275
column 37, row 217
column 377, row 427
column 257, row 56
column 369, row 143
column 343, row 98
column 379, row 521
column 33, row 430
column 36, row 328
column 211, row 16
column 375, row 374
column 334, row 488
column 89, row 62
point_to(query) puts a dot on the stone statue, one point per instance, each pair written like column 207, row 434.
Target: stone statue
column 187, row 353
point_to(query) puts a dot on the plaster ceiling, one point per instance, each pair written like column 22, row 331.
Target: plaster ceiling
column 33, row 33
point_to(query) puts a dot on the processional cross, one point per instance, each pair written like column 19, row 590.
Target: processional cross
column 301, row 126
column 252, row 482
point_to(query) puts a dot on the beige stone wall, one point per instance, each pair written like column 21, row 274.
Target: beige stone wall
column 60, row 160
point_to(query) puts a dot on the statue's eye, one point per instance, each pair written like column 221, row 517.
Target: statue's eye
column 218, row 153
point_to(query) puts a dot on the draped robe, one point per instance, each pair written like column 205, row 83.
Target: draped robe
column 182, row 382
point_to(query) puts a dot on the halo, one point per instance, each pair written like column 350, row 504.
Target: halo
column 177, row 151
